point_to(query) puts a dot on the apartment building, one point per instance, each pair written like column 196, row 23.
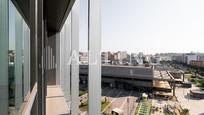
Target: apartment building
column 197, row 63
column 185, row 58
column 189, row 57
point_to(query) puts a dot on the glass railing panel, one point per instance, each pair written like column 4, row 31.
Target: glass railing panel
column 26, row 59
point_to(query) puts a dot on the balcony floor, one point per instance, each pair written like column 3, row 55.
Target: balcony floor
column 55, row 101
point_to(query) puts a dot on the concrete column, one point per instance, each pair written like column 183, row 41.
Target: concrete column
column 94, row 48
column 174, row 86
column 75, row 59
column 4, row 46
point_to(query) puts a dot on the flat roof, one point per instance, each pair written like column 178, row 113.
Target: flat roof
column 161, row 84
column 163, row 76
column 130, row 72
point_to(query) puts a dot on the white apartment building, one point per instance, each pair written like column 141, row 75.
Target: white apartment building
column 189, row 57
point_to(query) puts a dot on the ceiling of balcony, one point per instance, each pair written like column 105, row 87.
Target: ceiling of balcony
column 55, row 12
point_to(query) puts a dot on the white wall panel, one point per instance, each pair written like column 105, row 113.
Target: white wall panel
column 75, row 58
column 94, row 47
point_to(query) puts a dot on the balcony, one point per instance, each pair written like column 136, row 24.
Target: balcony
column 56, row 103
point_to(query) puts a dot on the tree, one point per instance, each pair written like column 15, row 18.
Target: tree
column 185, row 111
column 202, row 82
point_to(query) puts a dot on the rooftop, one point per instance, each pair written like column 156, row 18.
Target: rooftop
column 123, row 71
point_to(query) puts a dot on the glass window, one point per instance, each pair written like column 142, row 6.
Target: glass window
column 19, row 60
column 4, row 57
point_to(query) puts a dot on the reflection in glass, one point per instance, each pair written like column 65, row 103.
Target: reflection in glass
column 19, row 60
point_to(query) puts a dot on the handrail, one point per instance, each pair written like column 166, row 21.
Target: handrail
column 28, row 106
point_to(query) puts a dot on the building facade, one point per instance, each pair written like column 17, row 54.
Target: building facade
column 39, row 47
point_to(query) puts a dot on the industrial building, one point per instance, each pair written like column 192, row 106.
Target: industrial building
column 128, row 77
column 133, row 77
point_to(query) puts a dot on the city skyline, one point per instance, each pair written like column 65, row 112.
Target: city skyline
column 149, row 26
column 115, row 51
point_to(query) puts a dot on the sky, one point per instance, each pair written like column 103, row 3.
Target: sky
column 149, row 26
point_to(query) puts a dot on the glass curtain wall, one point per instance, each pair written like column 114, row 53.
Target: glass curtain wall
column 4, row 39
column 18, row 60
column 14, row 59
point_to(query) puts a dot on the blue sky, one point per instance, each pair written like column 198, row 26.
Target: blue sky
column 150, row 26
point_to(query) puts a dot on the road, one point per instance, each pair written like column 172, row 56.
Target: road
column 124, row 100
column 118, row 98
